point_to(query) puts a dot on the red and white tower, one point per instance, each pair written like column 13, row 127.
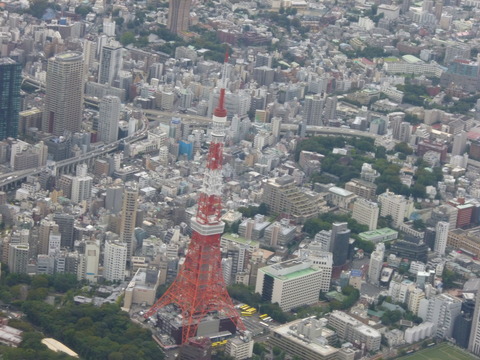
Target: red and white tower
column 199, row 288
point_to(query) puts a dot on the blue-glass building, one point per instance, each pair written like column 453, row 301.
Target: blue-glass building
column 185, row 148
column 10, row 82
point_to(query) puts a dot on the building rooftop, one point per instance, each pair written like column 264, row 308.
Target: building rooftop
column 340, row 191
column 411, row 59
column 57, row 346
column 288, row 270
column 286, row 331
column 241, row 240
column 378, row 233
column 10, row 335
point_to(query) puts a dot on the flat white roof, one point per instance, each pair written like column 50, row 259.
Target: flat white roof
column 57, row 346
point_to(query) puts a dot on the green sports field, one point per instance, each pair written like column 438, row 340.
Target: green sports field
column 443, row 351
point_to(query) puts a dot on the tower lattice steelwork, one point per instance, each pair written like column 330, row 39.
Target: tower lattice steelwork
column 199, row 288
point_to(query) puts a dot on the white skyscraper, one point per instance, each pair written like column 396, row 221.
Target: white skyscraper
column 88, row 264
column 109, row 26
column 441, row 236
column 129, row 216
column 115, row 260
column 81, row 185
column 459, row 143
column 276, row 125
column 394, row 205
column 376, row 264
column 474, row 342
column 324, row 239
column 366, row 213
column 227, row 265
column 89, row 51
column 442, row 311
column 18, row 258
column 54, row 241
column 321, row 259
column 108, row 118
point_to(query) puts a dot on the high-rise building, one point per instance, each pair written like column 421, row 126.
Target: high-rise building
column 88, row 267
column 115, row 260
column 64, row 93
column 283, row 196
column 330, row 111
column 81, row 185
column 362, row 188
column 462, row 327
column 10, row 81
column 405, row 6
column 323, row 240
column 114, row 198
column 376, row 264
column 340, row 243
column 18, row 258
column 474, row 341
column 459, row 143
column 441, row 236
column 321, row 259
column 89, row 52
column 111, row 62
column 414, row 299
column 54, row 241
column 394, row 205
column 313, row 109
column 456, row 50
column 178, row 15
column 264, row 59
column 65, row 225
column 46, row 226
column 240, row 347
column 366, row 213
column 291, row 283
column 442, row 311
column 438, row 9
column 350, row 329
column 108, row 118
column 129, row 216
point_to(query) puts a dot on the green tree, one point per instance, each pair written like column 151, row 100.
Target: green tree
column 127, row 38
column 38, row 7
column 259, row 348
column 403, row 148
column 449, row 278
column 40, row 281
column 419, row 225
column 390, row 317
column 83, row 10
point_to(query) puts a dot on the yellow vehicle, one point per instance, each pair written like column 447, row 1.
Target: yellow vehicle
column 245, row 313
column 219, row 343
column 244, row 307
column 251, row 310
column 263, row 316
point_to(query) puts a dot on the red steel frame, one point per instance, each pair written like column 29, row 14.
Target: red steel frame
column 199, row 288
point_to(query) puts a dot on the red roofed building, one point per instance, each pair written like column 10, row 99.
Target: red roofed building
column 465, row 212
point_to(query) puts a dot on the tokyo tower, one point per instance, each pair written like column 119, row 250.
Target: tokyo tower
column 199, row 288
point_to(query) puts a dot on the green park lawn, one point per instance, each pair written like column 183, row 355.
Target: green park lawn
column 442, row 351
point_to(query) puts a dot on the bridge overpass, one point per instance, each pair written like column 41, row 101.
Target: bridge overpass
column 204, row 122
column 13, row 179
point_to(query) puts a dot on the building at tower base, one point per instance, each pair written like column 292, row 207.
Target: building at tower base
column 169, row 323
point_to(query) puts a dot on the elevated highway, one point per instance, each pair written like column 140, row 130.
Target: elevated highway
column 15, row 178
